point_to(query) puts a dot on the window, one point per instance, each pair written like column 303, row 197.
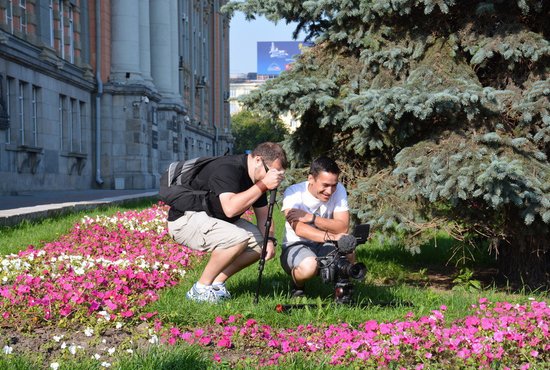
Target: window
column 9, row 91
column 34, row 115
column 80, row 126
column 21, row 111
column 23, row 16
column 52, row 24
column 71, row 34
column 74, row 128
column 62, row 123
column 61, row 29
column 9, row 15
column 70, row 124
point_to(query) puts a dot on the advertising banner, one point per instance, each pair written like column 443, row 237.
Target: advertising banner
column 277, row 56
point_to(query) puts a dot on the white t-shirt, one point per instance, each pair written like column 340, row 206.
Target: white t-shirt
column 297, row 196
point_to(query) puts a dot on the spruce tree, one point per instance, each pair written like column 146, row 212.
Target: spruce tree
column 443, row 105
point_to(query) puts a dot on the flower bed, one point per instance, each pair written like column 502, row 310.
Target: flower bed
column 495, row 334
column 106, row 268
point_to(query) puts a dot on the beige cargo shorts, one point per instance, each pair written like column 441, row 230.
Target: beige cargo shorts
column 201, row 232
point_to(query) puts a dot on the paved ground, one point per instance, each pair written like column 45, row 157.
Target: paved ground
column 34, row 205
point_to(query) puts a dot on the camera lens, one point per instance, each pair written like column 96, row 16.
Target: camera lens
column 358, row 271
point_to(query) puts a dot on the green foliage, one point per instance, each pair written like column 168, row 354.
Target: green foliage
column 464, row 280
column 446, row 101
column 250, row 129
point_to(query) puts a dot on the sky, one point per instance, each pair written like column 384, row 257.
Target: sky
column 244, row 35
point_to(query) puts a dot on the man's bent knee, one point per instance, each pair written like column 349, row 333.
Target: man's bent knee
column 307, row 268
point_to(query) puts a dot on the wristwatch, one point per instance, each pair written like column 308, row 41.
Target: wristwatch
column 312, row 222
column 273, row 240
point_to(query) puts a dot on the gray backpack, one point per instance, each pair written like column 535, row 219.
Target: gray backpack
column 175, row 185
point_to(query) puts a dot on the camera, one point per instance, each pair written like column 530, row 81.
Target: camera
column 336, row 268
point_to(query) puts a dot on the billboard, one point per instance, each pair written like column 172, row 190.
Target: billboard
column 277, row 56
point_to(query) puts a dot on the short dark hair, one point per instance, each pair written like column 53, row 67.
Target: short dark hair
column 323, row 164
column 270, row 152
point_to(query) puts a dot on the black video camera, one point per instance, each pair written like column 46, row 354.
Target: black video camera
column 336, row 268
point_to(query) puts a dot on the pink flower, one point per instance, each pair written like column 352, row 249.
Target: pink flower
column 205, row 340
column 224, row 342
column 371, row 325
column 127, row 313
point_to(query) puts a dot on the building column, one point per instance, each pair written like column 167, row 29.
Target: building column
column 125, row 43
column 175, row 33
column 165, row 62
column 145, row 41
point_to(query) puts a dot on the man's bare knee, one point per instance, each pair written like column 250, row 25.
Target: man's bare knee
column 241, row 246
column 307, row 269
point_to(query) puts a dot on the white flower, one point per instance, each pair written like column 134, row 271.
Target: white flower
column 105, row 364
column 118, row 325
column 63, row 345
column 105, row 315
column 8, row 350
column 88, row 332
column 154, row 339
column 130, row 351
column 54, row 365
column 111, row 350
column 72, row 349
column 96, row 356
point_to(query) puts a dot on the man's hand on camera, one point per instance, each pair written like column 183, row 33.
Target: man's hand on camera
column 298, row 215
column 273, row 178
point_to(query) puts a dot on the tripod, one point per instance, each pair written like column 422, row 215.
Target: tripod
column 272, row 195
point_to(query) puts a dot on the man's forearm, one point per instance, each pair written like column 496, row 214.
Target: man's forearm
column 331, row 225
column 236, row 204
column 309, row 232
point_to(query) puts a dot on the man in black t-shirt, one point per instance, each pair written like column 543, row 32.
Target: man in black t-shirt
column 235, row 183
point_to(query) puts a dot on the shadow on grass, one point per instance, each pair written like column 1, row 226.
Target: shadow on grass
column 438, row 263
column 278, row 285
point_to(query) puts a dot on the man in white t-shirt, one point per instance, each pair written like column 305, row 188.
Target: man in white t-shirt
column 316, row 210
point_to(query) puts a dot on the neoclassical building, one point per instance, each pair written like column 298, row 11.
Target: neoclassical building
column 106, row 93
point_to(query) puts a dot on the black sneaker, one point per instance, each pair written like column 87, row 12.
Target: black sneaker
column 296, row 291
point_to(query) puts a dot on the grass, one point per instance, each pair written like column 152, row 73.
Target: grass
column 403, row 289
column 396, row 283
column 36, row 233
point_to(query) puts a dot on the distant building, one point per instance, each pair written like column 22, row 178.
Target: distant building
column 105, row 94
column 241, row 85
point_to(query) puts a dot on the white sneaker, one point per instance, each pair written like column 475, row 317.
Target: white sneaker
column 221, row 291
column 207, row 294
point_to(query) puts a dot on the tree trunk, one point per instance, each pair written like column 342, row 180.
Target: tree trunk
column 524, row 260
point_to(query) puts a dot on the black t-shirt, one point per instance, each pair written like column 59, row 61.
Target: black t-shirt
column 228, row 174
